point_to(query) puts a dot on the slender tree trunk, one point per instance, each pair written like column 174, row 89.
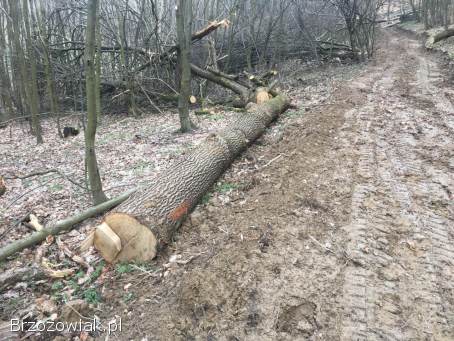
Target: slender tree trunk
column 94, row 178
column 184, row 24
column 98, row 68
column 32, row 80
column 50, row 84
column 125, row 63
column 5, row 83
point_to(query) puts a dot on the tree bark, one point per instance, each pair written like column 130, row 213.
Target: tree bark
column 439, row 36
column 184, row 24
column 48, row 70
column 165, row 203
column 32, row 80
column 94, row 178
column 220, row 79
column 170, row 197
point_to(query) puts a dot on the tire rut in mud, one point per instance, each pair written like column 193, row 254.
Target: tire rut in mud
column 401, row 231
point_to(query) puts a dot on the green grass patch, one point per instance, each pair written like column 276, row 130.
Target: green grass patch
column 206, row 198
column 202, row 112
column 129, row 297
column 124, row 268
column 98, row 270
column 225, row 187
column 56, row 187
column 141, row 166
column 92, row 295
column 215, row 117
column 58, row 285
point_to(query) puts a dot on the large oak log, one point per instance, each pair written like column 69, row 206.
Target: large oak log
column 165, row 203
column 435, row 38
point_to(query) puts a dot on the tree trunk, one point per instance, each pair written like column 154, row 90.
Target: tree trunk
column 50, row 84
column 98, row 69
column 169, row 198
column 94, row 178
column 439, row 36
column 32, row 81
column 184, row 24
column 127, row 76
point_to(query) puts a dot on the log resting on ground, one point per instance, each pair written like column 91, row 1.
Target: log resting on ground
column 171, row 196
column 435, row 38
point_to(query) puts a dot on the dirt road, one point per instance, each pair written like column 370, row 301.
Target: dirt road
column 345, row 232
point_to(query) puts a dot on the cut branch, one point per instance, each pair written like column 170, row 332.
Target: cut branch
column 194, row 38
column 220, row 79
column 61, row 226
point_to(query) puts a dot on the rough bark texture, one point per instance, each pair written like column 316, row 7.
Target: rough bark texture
column 439, row 36
column 184, row 23
column 32, row 80
column 171, row 196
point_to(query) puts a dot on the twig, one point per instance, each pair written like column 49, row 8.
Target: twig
column 271, row 161
column 151, row 102
column 22, row 177
column 43, row 172
column 17, row 223
column 321, row 245
column 23, row 194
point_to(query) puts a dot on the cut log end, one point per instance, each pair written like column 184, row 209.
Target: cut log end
column 262, row 95
column 2, row 186
column 122, row 238
column 107, row 242
column 34, row 223
column 192, row 99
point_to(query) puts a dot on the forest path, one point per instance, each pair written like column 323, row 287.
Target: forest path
column 348, row 234
column 402, row 228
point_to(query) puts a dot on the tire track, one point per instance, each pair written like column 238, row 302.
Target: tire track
column 400, row 224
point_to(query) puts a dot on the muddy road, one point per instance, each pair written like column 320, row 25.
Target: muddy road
column 345, row 233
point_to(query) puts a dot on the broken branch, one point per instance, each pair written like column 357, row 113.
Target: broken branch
column 64, row 225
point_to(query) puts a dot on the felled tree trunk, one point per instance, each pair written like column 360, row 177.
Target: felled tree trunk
column 170, row 197
column 433, row 39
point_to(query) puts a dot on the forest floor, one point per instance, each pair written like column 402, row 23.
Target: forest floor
column 337, row 225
